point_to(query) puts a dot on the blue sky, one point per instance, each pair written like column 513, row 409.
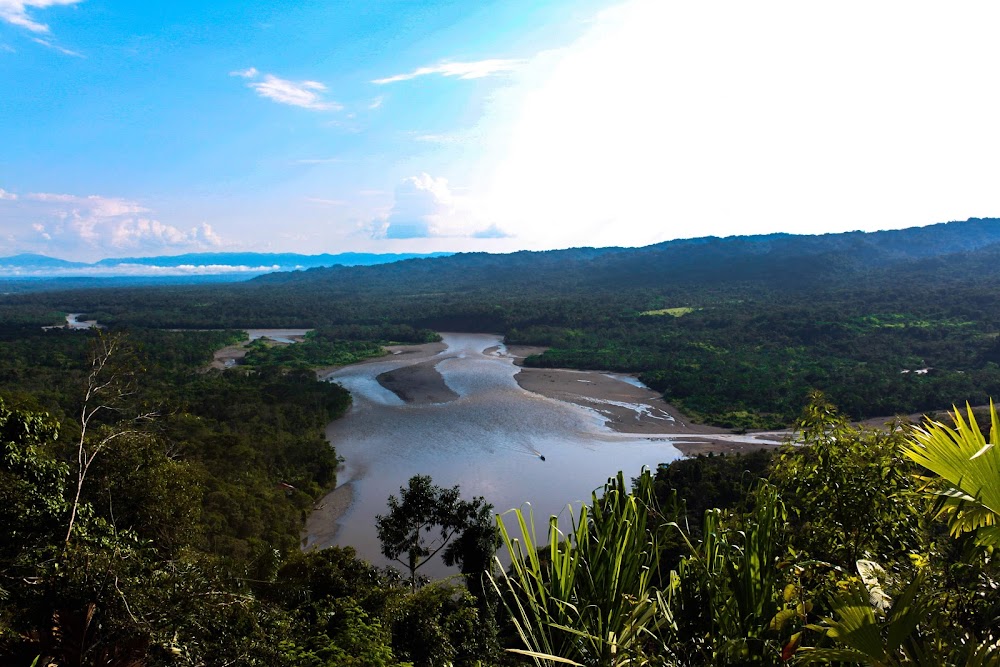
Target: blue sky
column 159, row 128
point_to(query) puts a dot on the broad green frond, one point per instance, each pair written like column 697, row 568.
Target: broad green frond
column 969, row 467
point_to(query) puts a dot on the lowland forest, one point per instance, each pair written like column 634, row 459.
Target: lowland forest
column 151, row 507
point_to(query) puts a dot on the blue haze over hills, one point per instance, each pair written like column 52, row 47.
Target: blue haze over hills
column 234, row 265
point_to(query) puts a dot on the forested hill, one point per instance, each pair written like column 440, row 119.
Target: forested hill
column 764, row 260
column 735, row 331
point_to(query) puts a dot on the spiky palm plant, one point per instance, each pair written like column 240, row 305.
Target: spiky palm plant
column 968, row 467
column 591, row 601
column 871, row 628
column 733, row 590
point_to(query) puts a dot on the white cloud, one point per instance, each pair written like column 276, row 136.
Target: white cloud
column 376, row 103
column 92, row 206
column 8, row 196
column 421, row 203
column 426, row 207
column 15, row 12
column 491, row 232
column 108, row 225
column 248, row 73
column 55, row 47
column 470, row 70
column 303, row 94
column 139, row 270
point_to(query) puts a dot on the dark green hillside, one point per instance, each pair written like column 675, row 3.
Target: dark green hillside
column 764, row 319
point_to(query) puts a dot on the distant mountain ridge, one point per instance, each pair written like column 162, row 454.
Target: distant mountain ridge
column 780, row 261
column 240, row 264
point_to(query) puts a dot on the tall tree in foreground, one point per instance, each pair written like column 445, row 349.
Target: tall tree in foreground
column 105, row 415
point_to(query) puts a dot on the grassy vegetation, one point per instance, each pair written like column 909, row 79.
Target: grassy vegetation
column 673, row 312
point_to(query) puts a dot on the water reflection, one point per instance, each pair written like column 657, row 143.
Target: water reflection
column 489, row 440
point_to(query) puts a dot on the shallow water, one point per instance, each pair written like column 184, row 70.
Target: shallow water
column 278, row 335
column 488, row 441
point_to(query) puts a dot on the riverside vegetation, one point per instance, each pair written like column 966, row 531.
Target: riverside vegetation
column 734, row 331
column 866, row 547
column 163, row 528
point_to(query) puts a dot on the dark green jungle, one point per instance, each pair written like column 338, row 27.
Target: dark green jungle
column 151, row 506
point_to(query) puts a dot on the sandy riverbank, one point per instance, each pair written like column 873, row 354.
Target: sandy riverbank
column 231, row 355
column 634, row 409
column 228, row 356
column 323, row 522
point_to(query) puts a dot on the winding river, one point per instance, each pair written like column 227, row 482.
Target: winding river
column 489, row 441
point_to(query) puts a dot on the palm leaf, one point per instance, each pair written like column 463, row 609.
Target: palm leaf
column 969, row 468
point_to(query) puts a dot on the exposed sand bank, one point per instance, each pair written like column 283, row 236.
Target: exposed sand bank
column 522, row 352
column 714, row 446
column 229, row 356
column 322, row 523
column 394, row 351
column 633, row 409
column 420, row 383
column 627, row 408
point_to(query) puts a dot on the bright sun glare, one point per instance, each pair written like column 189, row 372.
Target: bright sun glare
column 685, row 119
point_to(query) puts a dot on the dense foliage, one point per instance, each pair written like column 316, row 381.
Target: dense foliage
column 150, row 507
column 737, row 332
column 165, row 530
column 334, row 346
column 834, row 556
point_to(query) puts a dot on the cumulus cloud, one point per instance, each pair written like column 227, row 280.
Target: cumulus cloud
column 109, row 225
column 470, row 70
column 491, row 232
column 425, row 207
column 303, row 94
column 421, row 205
column 145, row 270
column 8, row 196
column 15, row 12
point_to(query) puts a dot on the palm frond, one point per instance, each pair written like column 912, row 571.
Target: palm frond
column 969, row 468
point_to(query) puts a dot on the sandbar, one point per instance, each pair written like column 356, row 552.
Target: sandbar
column 228, row 356
column 401, row 351
column 419, row 383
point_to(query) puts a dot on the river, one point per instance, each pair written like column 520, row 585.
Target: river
column 488, row 441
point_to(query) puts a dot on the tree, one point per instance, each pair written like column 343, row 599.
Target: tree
column 850, row 492
column 425, row 518
column 32, row 508
column 110, row 384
